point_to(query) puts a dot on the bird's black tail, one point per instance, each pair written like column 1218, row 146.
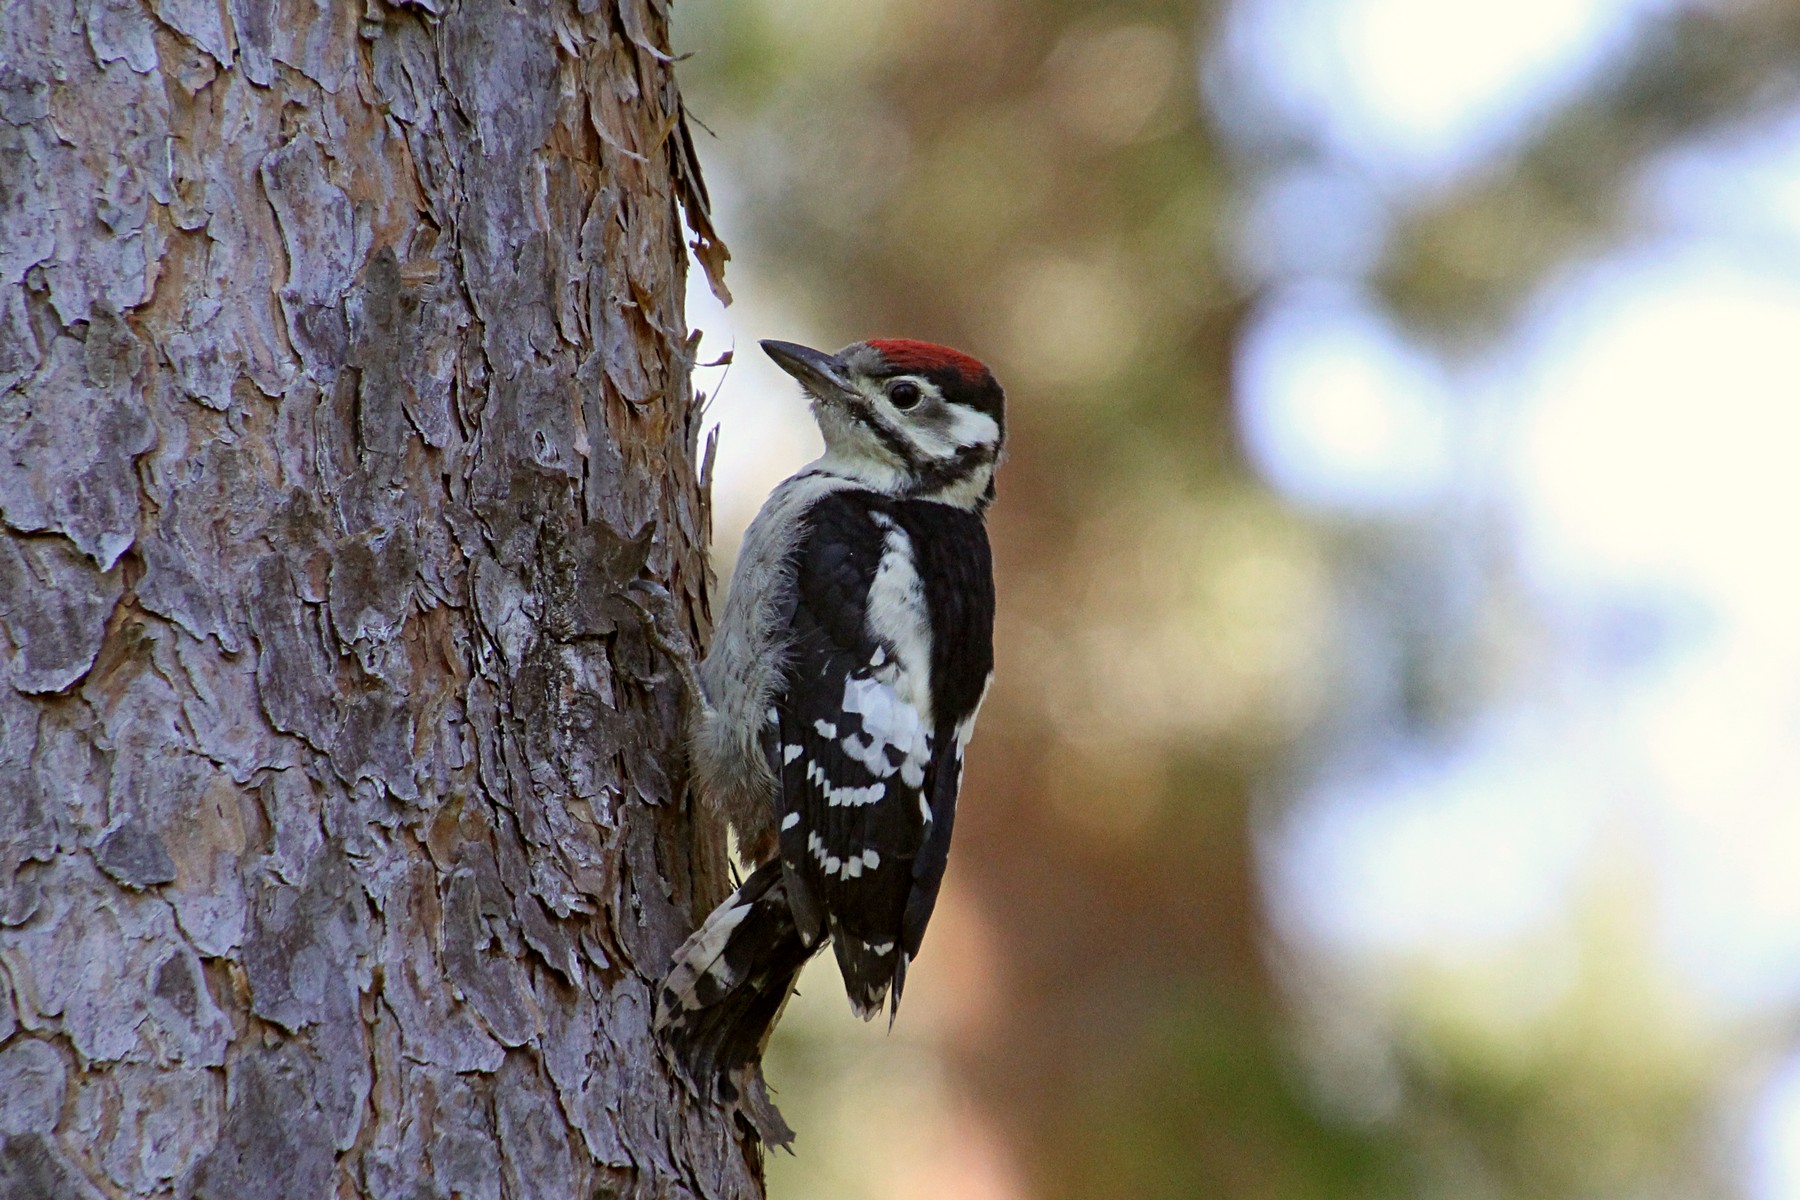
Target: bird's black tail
column 721, row 999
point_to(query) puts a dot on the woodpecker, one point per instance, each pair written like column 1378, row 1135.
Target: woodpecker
column 837, row 699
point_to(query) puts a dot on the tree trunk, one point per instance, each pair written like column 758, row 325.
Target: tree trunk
column 343, row 389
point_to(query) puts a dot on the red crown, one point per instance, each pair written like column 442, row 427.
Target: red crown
column 909, row 355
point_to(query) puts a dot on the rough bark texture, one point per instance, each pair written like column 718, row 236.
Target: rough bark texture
column 343, row 388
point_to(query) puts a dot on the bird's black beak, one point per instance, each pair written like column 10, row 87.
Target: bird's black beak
column 823, row 375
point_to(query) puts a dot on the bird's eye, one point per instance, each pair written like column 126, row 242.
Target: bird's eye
column 905, row 394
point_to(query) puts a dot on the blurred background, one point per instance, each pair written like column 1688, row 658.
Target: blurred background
column 1392, row 783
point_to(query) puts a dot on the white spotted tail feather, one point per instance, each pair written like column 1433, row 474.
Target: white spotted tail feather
column 719, row 1004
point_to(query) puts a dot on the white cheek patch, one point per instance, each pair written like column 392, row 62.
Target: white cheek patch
column 971, row 428
column 964, row 427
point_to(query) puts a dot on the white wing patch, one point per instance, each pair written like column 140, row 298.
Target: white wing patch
column 898, row 619
column 866, row 752
column 888, row 721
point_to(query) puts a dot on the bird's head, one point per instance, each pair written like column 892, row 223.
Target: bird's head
column 908, row 418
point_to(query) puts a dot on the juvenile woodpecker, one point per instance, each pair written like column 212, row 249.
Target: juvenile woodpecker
column 840, row 691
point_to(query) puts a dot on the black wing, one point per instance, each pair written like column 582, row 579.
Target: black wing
column 871, row 731
column 957, row 567
column 852, row 754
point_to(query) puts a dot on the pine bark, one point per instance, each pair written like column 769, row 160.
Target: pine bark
column 343, row 392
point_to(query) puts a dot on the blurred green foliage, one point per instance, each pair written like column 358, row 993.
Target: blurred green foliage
column 1045, row 183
